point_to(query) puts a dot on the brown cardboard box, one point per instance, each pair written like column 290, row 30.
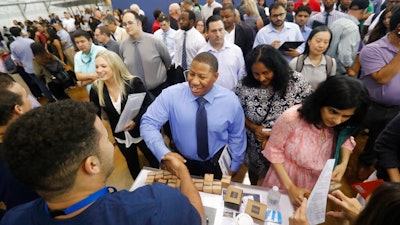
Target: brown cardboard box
column 256, row 209
column 233, row 198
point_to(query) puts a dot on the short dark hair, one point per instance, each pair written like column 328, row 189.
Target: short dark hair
column 340, row 92
column 273, row 60
column 192, row 16
column 137, row 17
column 213, row 18
column 15, row 31
column 8, row 100
column 104, row 30
column 217, row 11
column 110, row 19
column 316, row 30
column 207, row 58
column 395, row 19
column 382, row 207
column 81, row 33
column 157, row 13
column 276, row 5
column 229, row 6
column 304, row 8
column 163, row 18
column 45, row 146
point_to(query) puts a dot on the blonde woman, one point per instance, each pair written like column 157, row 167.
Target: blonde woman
column 110, row 93
column 252, row 16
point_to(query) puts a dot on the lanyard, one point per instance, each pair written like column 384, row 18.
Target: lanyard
column 79, row 205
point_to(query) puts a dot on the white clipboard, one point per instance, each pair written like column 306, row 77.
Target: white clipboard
column 225, row 160
column 132, row 108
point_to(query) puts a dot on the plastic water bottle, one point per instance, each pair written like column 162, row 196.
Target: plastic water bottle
column 274, row 196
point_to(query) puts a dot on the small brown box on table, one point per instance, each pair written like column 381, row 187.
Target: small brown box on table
column 226, row 181
column 256, row 209
column 208, row 177
column 208, row 187
column 163, row 181
column 172, row 183
column 233, row 198
column 217, row 188
column 198, row 183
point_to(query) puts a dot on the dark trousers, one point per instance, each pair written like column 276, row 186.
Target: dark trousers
column 157, row 91
column 58, row 90
column 29, row 80
column 377, row 118
column 132, row 159
column 199, row 168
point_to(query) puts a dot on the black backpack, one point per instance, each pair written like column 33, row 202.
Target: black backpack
column 57, row 69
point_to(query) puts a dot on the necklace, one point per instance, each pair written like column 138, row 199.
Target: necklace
column 79, row 205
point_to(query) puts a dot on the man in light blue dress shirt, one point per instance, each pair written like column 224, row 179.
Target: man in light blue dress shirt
column 166, row 34
column 278, row 32
column 178, row 104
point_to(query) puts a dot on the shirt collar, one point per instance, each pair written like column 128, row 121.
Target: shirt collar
column 90, row 52
column 210, row 96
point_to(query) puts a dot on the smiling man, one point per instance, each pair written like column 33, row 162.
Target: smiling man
column 204, row 119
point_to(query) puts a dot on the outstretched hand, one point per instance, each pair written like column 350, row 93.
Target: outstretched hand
column 296, row 195
column 350, row 207
column 300, row 216
column 175, row 164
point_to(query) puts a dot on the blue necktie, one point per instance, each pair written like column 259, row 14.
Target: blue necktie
column 138, row 63
column 201, row 129
column 327, row 19
column 165, row 38
column 184, row 63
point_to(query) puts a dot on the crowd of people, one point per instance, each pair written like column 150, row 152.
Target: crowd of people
column 282, row 86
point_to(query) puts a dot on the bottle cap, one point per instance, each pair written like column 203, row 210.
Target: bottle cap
column 275, row 188
column 244, row 219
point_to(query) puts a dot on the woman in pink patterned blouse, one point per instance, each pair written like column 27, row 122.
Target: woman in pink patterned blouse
column 304, row 136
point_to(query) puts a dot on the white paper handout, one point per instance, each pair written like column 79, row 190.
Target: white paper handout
column 132, row 108
column 316, row 205
column 225, row 160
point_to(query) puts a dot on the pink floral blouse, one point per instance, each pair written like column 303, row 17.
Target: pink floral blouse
column 301, row 147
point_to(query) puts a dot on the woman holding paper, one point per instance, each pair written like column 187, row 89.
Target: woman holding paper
column 305, row 136
column 110, row 94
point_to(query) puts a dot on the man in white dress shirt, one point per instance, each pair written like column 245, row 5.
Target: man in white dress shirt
column 230, row 57
column 194, row 40
column 166, row 34
column 208, row 9
column 68, row 23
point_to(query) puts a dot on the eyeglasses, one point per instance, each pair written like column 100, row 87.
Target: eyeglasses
column 276, row 16
column 185, row 74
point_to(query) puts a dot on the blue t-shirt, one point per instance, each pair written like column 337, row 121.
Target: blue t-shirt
column 151, row 204
column 12, row 192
